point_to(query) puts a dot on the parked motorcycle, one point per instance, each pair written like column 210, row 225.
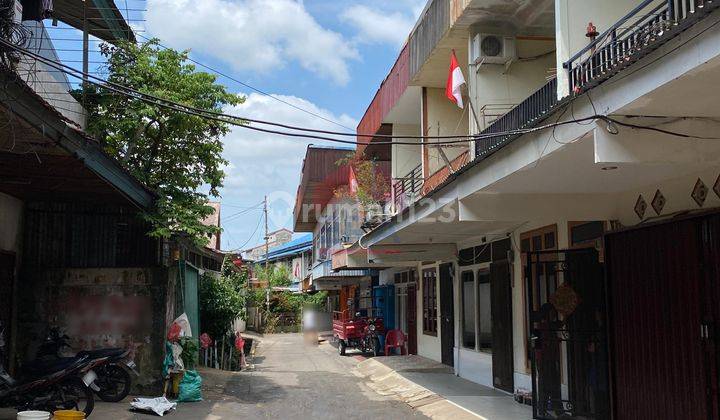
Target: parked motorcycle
column 61, row 386
column 369, row 342
column 113, row 378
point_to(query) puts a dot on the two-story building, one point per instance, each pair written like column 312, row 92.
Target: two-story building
column 335, row 222
column 569, row 247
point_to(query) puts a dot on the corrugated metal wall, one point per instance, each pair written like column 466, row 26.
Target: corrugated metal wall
column 79, row 235
column 386, row 97
column 428, row 33
column 659, row 363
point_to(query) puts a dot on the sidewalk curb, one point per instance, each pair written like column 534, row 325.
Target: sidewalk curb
column 387, row 382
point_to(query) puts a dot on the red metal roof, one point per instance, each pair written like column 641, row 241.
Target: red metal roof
column 321, row 176
column 385, row 98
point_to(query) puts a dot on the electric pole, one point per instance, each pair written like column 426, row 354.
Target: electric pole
column 267, row 253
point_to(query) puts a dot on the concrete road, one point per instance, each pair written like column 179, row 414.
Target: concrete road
column 290, row 381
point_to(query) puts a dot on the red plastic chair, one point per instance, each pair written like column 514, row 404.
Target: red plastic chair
column 395, row 339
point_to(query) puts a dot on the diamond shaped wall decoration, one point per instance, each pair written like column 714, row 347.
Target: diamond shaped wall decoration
column 699, row 193
column 640, row 207
column 716, row 187
column 658, row 202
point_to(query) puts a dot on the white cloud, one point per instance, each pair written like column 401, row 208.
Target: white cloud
column 374, row 26
column 268, row 164
column 258, row 35
column 376, row 23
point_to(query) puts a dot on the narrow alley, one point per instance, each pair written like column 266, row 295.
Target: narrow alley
column 289, row 381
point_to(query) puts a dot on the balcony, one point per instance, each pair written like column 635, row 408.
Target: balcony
column 527, row 114
column 641, row 31
column 407, row 189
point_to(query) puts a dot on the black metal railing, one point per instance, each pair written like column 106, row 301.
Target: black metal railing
column 525, row 115
column 635, row 35
column 407, row 188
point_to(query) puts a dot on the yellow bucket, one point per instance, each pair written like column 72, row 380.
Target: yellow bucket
column 68, row 415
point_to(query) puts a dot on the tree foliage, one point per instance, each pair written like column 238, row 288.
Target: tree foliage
column 372, row 185
column 221, row 299
column 279, row 276
column 171, row 152
column 283, row 301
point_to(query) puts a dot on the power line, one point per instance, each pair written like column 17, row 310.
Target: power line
column 262, row 92
column 215, row 115
column 234, row 120
column 240, row 213
column 242, row 122
column 242, row 207
column 252, row 236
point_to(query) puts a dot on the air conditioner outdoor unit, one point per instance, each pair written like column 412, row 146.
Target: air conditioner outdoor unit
column 492, row 49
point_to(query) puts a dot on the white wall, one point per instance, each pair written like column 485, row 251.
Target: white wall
column 444, row 118
column 10, row 223
column 497, row 85
column 677, row 193
column 405, row 157
column 571, row 21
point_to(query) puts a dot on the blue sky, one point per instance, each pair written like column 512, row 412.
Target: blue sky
column 327, row 56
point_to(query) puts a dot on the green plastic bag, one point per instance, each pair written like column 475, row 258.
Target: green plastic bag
column 190, row 387
column 168, row 360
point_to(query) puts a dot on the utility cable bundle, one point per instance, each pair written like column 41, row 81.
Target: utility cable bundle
column 302, row 132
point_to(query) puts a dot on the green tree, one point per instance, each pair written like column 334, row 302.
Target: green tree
column 279, row 275
column 221, row 299
column 173, row 153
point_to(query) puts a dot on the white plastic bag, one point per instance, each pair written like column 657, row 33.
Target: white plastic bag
column 184, row 324
column 159, row 405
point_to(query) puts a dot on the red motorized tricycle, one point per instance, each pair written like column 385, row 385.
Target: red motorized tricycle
column 357, row 331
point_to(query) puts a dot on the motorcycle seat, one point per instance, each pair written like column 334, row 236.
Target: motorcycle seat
column 98, row 353
column 47, row 366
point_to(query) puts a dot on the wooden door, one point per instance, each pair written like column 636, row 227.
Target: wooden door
column 502, row 326
column 412, row 318
column 447, row 315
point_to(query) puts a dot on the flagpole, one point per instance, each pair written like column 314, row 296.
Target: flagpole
column 457, row 81
column 472, row 110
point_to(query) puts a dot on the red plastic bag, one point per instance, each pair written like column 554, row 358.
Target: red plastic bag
column 205, row 340
column 174, row 332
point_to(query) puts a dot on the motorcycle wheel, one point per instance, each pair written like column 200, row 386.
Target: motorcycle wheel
column 72, row 394
column 341, row 347
column 114, row 383
column 375, row 347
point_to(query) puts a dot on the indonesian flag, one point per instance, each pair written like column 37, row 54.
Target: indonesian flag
column 454, row 82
